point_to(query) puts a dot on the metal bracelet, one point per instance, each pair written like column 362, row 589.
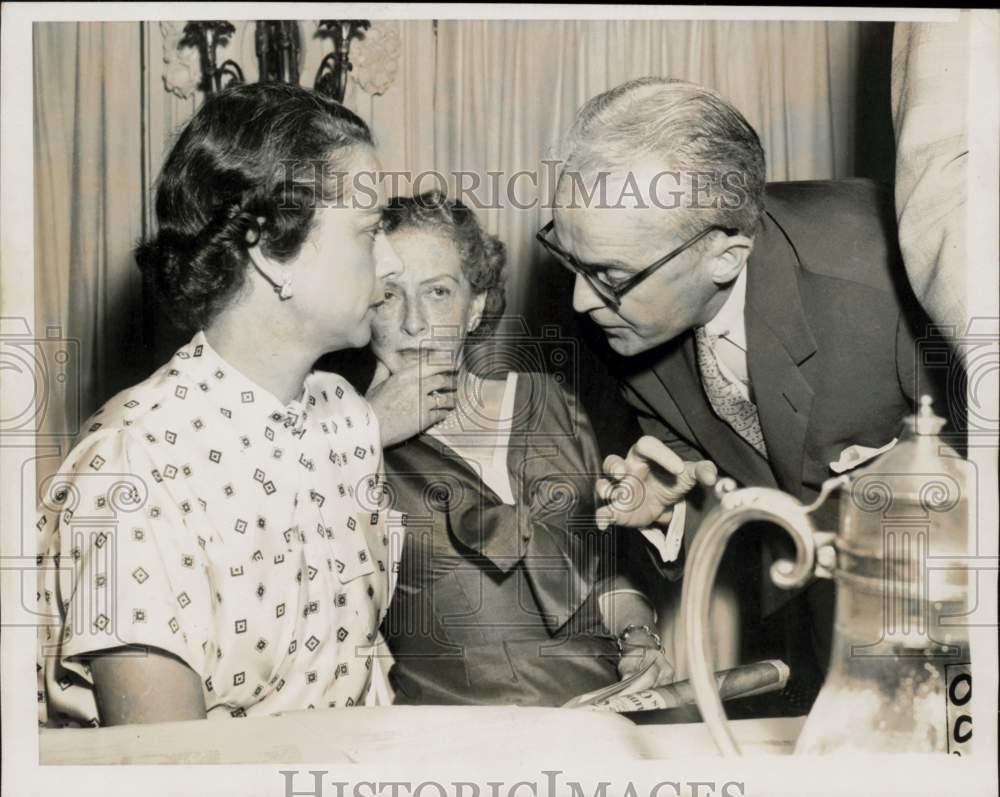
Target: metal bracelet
column 622, row 638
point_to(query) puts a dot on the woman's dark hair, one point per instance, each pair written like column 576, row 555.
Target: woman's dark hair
column 483, row 256
column 269, row 151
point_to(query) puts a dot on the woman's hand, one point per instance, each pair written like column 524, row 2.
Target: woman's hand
column 412, row 399
column 641, row 649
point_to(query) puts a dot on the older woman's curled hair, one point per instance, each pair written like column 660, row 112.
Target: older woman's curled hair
column 483, row 256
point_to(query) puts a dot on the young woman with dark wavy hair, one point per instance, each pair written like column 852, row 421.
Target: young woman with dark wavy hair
column 242, row 566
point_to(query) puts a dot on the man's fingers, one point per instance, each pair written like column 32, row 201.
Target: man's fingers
column 686, row 480
column 604, row 517
column 618, row 512
column 706, row 473
column 614, row 466
column 650, row 449
column 665, row 518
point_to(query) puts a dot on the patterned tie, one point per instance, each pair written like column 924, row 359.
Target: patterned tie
column 726, row 399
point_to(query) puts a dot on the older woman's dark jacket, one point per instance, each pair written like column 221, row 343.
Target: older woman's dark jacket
column 498, row 603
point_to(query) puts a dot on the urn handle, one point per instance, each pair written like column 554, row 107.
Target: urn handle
column 735, row 508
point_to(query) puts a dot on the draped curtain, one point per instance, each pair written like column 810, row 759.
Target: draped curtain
column 475, row 96
column 87, row 174
column 508, row 90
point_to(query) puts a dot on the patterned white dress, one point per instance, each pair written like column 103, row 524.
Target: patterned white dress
column 201, row 516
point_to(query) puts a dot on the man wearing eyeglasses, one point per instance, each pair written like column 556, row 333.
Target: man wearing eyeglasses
column 765, row 332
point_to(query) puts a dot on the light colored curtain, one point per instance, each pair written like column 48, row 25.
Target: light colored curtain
column 87, row 209
column 507, row 91
column 475, row 96
column 104, row 120
column 403, row 117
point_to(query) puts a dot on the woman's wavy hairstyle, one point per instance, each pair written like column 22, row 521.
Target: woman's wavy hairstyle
column 483, row 256
column 269, row 151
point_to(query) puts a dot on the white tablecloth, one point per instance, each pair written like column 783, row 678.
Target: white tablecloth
column 404, row 733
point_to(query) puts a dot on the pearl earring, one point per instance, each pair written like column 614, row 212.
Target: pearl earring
column 284, row 290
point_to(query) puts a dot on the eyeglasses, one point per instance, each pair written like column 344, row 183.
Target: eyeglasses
column 612, row 294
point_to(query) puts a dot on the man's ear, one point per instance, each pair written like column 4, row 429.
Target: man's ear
column 476, row 316
column 730, row 258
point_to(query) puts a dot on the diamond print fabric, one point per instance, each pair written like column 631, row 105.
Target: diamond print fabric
column 252, row 557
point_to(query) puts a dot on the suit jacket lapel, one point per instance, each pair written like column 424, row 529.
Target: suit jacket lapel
column 778, row 342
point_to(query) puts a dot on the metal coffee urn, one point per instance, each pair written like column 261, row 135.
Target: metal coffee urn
column 899, row 678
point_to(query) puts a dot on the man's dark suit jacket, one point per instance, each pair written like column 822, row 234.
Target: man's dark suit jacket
column 831, row 327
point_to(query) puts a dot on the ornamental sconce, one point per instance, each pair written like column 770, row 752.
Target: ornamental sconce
column 278, row 46
column 207, row 38
column 331, row 77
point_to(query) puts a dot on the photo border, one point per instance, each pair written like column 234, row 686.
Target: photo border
column 763, row 775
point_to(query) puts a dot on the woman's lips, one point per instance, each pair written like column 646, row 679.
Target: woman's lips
column 431, row 355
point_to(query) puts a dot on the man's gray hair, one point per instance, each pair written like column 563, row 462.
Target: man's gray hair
column 687, row 128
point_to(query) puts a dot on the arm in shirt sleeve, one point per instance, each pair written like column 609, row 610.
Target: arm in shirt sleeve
column 124, row 568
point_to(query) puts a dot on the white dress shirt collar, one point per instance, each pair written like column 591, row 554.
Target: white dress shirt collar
column 729, row 321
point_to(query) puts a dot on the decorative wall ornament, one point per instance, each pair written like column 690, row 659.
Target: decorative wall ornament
column 376, row 57
column 279, row 50
column 331, row 77
column 193, row 50
column 208, row 37
column 182, row 65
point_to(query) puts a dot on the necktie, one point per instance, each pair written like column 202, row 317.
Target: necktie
column 726, row 399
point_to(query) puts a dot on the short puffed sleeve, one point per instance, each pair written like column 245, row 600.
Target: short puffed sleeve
column 118, row 566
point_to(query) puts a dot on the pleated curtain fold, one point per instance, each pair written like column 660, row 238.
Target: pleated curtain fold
column 472, row 96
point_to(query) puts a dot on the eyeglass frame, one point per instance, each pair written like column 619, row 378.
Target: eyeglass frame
column 612, row 294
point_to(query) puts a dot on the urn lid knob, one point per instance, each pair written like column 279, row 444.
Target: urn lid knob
column 926, row 422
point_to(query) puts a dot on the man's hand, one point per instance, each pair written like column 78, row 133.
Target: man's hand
column 411, row 399
column 642, row 488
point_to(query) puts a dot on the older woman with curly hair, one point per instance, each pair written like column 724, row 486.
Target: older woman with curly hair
column 246, row 573
column 507, row 591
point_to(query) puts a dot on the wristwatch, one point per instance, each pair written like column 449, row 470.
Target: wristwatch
column 622, row 638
